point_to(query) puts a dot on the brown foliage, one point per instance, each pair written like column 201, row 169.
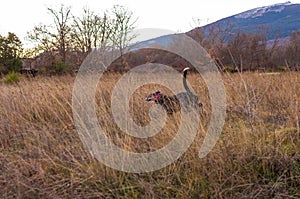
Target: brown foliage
column 257, row 155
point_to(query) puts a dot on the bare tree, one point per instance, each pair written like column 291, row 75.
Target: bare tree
column 293, row 51
column 55, row 36
column 197, row 34
column 83, row 33
column 61, row 20
column 43, row 39
column 85, row 29
column 123, row 24
column 91, row 30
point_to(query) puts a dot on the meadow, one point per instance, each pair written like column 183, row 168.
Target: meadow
column 256, row 156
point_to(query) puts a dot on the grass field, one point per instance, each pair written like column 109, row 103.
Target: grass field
column 257, row 155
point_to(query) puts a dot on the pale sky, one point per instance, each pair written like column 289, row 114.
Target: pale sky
column 20, row 16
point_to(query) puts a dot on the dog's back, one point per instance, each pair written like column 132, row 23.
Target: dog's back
column 173, row 103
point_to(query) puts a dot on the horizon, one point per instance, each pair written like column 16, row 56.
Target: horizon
column 148, row 15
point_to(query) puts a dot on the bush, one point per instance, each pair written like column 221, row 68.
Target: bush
column 281, row 68
column 229, row 69
column 12, row 77
column 60, row 67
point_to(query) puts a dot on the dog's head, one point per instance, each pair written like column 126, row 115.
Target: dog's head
column 154, row 96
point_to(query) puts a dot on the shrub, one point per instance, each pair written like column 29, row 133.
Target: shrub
column 12, row 77
column 281, row 68
column 60, row 67
column 229, row 69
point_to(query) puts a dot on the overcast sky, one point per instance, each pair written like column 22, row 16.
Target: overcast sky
column 21, row 16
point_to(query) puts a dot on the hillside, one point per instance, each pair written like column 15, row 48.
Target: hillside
column 249, row 40
column 229, row 49
column 281, row 19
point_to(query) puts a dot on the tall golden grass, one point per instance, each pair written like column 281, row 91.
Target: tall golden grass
column 257, row 155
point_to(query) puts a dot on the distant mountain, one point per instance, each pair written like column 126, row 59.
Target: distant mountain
column 162, row 41
column 282, row 19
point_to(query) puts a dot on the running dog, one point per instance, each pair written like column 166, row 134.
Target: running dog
column 171, row 103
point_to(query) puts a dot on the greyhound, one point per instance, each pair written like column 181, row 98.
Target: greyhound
column 172, row 103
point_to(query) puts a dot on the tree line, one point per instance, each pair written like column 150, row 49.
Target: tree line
column 69, row 36
column 243, row 51
column 231, row 49
column 61, row 46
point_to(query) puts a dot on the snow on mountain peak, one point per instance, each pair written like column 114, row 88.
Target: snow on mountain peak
column 257, row 12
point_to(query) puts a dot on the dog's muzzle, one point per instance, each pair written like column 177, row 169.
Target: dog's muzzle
column 148, row 99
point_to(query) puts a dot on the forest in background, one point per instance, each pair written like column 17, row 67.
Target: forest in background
column 61, row 47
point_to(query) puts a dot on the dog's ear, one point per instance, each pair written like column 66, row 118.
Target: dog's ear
column 153, row 96
column 149, row 98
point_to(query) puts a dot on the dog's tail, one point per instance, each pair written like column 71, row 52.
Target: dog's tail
column 184, row 80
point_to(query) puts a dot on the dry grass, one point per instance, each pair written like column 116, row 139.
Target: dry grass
column 257, row 155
